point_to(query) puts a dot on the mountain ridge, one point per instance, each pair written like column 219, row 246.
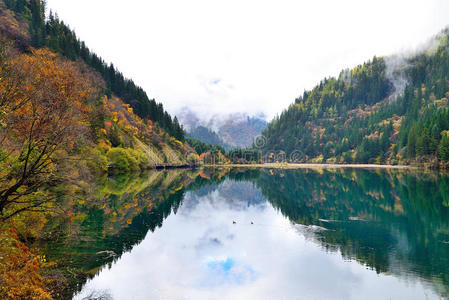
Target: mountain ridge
column 377, row 112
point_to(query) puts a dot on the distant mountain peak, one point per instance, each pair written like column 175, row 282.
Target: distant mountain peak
column 236, row 130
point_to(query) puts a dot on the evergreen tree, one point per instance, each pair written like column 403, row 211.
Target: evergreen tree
column 411, row 143
column 444, row 148
column 20, row 6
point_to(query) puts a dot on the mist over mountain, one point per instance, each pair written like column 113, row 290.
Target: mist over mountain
column 241, row 132
column 205, row 135
column 390, row 110
column 237, row 130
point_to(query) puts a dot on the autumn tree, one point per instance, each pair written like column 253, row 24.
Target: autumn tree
column 43, row 110
column 19, row 269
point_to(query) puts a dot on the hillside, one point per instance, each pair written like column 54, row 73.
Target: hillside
column 64, row 120
column 388, row 110
column 205, row 135
column 24, row 21
column 67, row 121
column 119, row 113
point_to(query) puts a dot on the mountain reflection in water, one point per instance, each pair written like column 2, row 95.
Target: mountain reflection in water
column 290, row 234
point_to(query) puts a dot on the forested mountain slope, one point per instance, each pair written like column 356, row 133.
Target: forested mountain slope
column 117, row 112
column 31, row 28
column 387, row 110
column 205, row 135
column 67, row 120
column 63, row 119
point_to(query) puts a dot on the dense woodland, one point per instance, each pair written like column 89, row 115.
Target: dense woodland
column 56, row 35
column 366, row 116
column 202, row 147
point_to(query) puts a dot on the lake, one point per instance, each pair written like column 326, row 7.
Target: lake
column 263, row 234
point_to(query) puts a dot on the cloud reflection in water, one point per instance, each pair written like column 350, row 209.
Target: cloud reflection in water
column 199, row 253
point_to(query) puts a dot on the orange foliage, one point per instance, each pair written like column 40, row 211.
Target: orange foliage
column 19, row 270
column 43, row 95
column 43, row 101
column 123, row 117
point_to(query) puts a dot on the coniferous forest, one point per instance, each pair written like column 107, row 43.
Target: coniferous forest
column 390, row 110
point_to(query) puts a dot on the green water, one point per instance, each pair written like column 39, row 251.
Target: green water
column 261, row 234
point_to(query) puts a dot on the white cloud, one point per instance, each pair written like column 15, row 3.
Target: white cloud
column 262, row 54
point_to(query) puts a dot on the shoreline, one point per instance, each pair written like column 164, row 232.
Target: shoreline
column 315, row 166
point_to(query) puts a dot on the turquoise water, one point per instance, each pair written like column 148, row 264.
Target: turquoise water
column 275, row 234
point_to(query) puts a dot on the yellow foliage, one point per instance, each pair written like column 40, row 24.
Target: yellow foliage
column 105, row 145
column 318, row 159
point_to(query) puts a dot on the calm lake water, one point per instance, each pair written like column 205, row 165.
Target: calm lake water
column 265, row 234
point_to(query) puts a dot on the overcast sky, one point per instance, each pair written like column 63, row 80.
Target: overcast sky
column 217, row 56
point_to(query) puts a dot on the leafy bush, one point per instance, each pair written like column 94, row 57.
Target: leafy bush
column 133, row 160
column 142, row 159
column 127, row 160
column 119, row 159
column 19, row 269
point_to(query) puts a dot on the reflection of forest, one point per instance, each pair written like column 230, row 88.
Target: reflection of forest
column 392, row 221
column 115, row 216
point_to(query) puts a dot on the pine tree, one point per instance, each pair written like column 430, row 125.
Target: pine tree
column 411, row 143
column 37, row 24
column 423, row 144
column 20, row 6
column 444, row 148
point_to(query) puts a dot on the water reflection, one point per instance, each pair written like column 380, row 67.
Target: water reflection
column 114, row 216
column 394, row 222
column 271, row 234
